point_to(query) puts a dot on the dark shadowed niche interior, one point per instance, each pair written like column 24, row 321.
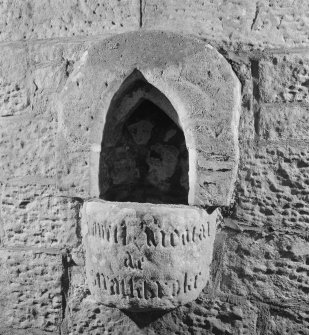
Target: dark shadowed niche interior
column 144, row 157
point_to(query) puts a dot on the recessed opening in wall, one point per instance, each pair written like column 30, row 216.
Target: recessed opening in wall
column 144, row 157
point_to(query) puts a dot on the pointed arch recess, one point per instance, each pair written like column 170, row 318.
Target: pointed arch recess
column 198, row 90
column 144, row 157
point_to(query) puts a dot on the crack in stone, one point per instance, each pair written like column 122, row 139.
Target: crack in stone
column 256, row 94
column 257, row 11
column 140, row 13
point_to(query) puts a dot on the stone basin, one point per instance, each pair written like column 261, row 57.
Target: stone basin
column 142, row 256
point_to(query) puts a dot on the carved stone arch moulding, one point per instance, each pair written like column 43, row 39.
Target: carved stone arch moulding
column 158, row 113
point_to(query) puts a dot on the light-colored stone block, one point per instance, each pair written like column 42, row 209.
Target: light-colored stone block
column 34, row 216
column 281, row 122
column 27, row 147
column 30, row 289
column 259, row 267
column 257, row 22
column 145, row 256
column 273, row 184
column 284, row 77
column 43, row 19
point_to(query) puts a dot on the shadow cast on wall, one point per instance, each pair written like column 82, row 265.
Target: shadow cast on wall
column 144, row 319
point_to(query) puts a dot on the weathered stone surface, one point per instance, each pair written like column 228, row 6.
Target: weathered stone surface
column 273, row 184
column 41, row 20
column 14, row 91
column 30, row 217
column 223, row 314
column 215, row 313
column 89, row 317
column 14, row 98
column 279, row 122
column 260, row 23
column 28, row 331
column 272, row 268
column 289, row 322
column 284, row 77
column 259, row 278
column 27, row 147
column 28, row 124
column 145, row 256
column 31, row 74
column 30, row 289
column 73, row 177
column 199, row 84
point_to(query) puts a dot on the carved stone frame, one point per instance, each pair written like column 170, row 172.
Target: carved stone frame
column 205, row 93
column 193, row 76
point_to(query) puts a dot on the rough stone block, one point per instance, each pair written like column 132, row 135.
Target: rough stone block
column 33, row 217
column 73, row 175
column 272, row 269
column 41, row 20
column 273, row 184
column 268, row 23
column 284, row 78
column 89, row 317
column 27, row 147
column 27, row 75
column 30, row 76
column 220, row 314
column 50, row 64
column 28, row 331
column 30, row 290
column 31, row 73
column 14, row 91
column 13, row 98
column 285, row 321
column 281, row 122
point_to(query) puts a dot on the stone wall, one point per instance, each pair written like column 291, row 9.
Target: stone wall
column 260, row 270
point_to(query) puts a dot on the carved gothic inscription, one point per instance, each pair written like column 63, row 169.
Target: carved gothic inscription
column 144, row 256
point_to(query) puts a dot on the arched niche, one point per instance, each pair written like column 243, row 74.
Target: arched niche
column 144, row 157
column 185, row 78
column 120, row 91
